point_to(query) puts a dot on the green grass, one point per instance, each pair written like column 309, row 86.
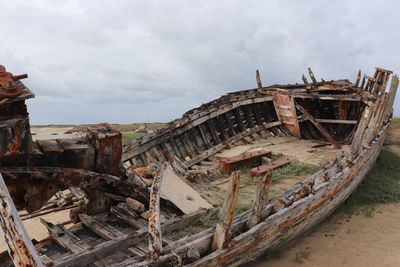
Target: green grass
column 128, row 137
column 381, row 185
column 291, row 170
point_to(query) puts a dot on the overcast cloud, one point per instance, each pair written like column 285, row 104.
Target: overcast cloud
column 128, row 61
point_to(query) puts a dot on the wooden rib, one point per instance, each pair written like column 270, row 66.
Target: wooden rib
column 312, row 76
column 202, row 130
column 223, row 228
column 176, row 148
column 185, row 145
column 260, row 201
column 303, row 77
column 256, row 114
column 213, row 131
column 221, row 128
column 248, row 116
column 357, row 83
column 192, row 136
column 321, row 128
column 258, row 79
column 230, row 123
column 239, row 119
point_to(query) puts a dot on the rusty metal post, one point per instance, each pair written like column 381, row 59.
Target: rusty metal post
column 19, row 245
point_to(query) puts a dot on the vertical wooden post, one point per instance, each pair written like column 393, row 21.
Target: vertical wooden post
column 19, row 245
column 312, row 76
column 261, row 199
column 222, row 230
column 155, row 237
column 258, row 78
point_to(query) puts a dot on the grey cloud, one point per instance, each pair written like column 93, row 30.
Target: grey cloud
column 123, row 61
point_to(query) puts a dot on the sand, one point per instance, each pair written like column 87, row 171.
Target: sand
column 358, row 240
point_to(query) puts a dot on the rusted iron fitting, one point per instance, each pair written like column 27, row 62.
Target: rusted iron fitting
column 8, row 86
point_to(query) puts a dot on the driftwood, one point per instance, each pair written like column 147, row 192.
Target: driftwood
column 223, row 228
column 261, row 199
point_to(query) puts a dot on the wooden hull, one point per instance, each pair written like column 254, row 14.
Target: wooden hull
column 121, row 222
column 298, row 218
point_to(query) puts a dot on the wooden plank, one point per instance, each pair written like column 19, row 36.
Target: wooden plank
column 260, row 170
column 247, row 159
column 155, row 235
column 287, row 114
column 186, row 198
column 321, row 128
column 99, row 227
column 123, row 212
column 223, row 228
column 337, row 121
column 19, row 245
column 260, row 200
column 65, row 238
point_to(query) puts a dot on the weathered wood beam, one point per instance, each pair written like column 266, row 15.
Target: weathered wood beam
column 260, row 201
column 19, row 245
column 65, row 238
column 99, row 227
column 223, row 229
column 155, row 235
column 258, row 79
column 357, row 83
column 312, row 76
column 321, row 128
column 121, row 211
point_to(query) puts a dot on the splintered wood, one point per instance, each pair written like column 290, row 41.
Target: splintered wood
column 223, row 228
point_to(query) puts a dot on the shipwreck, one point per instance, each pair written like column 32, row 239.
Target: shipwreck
column 140, row 204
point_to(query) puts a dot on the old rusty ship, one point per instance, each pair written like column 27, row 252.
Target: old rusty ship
column 145, row 203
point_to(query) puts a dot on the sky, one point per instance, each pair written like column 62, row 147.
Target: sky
column 126, row 61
